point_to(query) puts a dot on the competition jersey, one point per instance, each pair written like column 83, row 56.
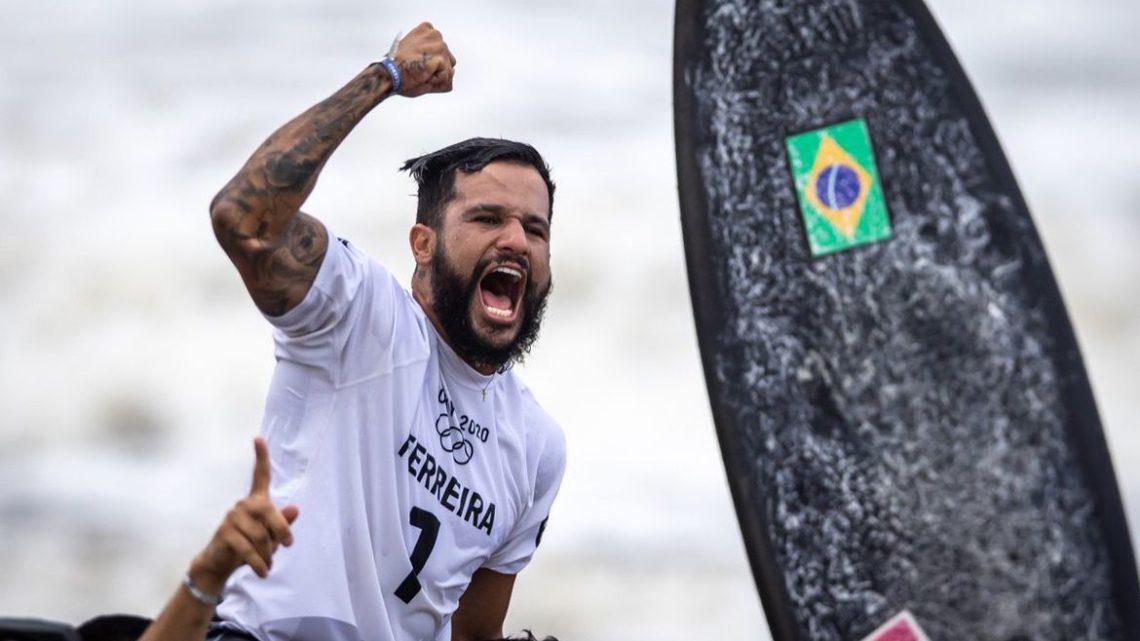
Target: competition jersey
column 411, row 470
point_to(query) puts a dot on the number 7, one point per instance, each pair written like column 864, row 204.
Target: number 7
column 429, row 530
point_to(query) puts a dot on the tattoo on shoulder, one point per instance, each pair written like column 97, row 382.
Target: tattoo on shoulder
column 281, row 275
column 308, row 241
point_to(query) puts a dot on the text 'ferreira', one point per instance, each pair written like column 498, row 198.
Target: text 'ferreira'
column 455, row 497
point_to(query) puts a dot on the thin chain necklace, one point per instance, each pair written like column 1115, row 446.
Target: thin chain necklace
column 484, row 390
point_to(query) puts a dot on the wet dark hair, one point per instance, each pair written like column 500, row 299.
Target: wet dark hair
column 435, row 172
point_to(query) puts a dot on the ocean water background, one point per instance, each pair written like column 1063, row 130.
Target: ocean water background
column 133, row 367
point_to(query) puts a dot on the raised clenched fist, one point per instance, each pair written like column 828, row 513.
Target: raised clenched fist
column 426, row 64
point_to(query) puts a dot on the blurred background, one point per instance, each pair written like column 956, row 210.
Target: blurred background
column 133, row 367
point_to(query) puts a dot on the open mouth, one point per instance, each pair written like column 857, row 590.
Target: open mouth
column 501, row 291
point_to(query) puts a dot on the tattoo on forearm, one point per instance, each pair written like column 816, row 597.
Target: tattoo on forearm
column 285, row 170
column 257, row 215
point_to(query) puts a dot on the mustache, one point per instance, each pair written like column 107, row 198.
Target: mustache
column 502, row 258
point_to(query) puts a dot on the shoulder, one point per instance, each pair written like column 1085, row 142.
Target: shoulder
column 380, row 289
column 541, row 431
column 357, row 320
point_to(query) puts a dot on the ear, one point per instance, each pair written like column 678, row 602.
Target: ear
column 422, row 240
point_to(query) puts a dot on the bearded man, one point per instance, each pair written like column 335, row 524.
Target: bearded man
column 424, row 468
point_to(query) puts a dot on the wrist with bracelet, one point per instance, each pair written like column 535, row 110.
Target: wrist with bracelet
column 200, row 595
column 389, row 63
column 393, row 73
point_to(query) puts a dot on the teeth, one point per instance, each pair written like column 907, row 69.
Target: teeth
column 516, row 277
column 509, row 271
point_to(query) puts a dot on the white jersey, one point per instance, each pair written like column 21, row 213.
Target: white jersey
column 411, row 470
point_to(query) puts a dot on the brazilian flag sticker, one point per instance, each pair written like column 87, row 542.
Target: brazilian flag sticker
column 838, row 187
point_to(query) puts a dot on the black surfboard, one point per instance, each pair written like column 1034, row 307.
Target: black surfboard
column 901, row 404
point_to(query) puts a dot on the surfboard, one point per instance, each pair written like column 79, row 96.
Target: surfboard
column 904, row 416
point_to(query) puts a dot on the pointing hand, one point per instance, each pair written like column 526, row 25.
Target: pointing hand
column 250, row 533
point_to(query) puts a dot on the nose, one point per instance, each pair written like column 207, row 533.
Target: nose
column 513, row 237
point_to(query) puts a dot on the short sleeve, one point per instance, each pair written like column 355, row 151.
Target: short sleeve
column 518, row 549
column 347, row 322
column 342, row 274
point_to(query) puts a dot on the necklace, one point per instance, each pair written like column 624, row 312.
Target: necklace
column 484, row 390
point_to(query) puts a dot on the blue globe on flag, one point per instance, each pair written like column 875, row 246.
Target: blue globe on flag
column 838, row 186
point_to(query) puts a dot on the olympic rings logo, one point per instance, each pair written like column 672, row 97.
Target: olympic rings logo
column 451, row 439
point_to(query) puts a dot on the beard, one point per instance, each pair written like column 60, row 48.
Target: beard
column 453, row 295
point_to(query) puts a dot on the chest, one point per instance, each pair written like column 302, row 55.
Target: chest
column 460, row 466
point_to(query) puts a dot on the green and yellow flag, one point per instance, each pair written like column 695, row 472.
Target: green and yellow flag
column 838, row 187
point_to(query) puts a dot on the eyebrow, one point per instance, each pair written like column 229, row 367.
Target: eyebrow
column 494, row 209
column 529, row 217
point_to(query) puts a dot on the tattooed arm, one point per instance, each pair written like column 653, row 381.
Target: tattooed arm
column 277, row 248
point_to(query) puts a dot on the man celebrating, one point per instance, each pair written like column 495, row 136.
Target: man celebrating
column 423, row 469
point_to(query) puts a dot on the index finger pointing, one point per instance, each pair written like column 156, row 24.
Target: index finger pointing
column 260, row 485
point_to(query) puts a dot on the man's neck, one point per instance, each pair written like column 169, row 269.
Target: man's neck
column 429, row 311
